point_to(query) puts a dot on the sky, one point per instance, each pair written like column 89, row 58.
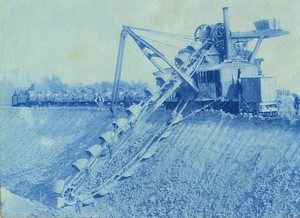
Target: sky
column 77, row 40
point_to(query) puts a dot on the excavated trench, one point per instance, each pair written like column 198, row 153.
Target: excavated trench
column 212, row 164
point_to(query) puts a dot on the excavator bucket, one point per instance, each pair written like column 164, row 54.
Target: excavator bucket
column 120, row 123
column 127, row 174
column 148, row 154
column 152, row 90
column 166, row 134
column 59, row 186
column 104, row 152
column 177, row 119
column 133, row 109
column 194, row 46
column 182, row 58
column 162, row 78
column 94, row 150
column 108, row 137
column 80, row 164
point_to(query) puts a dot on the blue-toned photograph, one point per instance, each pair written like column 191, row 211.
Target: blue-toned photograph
column 149, row 108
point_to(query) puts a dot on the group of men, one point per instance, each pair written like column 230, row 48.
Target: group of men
column 127, row 100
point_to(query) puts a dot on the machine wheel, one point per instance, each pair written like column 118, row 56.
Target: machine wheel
column 68, row 196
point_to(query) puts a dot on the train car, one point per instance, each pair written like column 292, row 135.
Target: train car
column 19, row 99
column 31, row 98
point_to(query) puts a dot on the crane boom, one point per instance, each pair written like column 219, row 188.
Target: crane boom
column 151, row 53
column 119, row 66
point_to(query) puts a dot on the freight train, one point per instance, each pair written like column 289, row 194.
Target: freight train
column 32, row 98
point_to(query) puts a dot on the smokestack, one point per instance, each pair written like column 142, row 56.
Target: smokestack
column 227, row 32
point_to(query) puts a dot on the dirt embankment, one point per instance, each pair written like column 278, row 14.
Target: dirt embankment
column 38, row 146
column 211, row 165
column 219, row 166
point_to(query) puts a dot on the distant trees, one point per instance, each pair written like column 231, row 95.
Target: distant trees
column 53, row 83
column 11, row 81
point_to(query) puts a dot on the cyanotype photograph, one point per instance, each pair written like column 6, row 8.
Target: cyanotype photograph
column 137, row 108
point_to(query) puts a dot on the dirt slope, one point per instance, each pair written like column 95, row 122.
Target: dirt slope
column 212, row 164
column 219, row 166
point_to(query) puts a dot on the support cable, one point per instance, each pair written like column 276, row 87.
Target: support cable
column 163, row 43
column 166, row 34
